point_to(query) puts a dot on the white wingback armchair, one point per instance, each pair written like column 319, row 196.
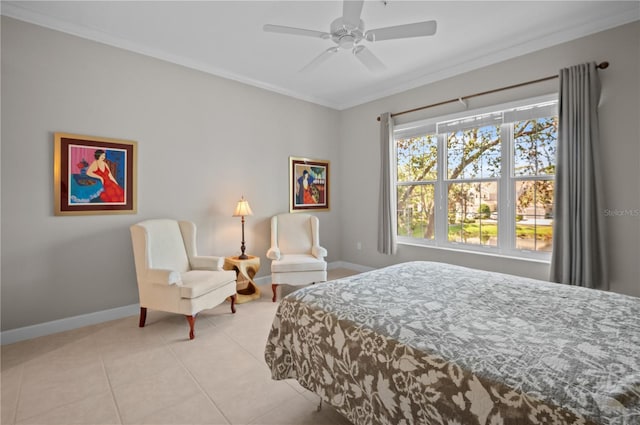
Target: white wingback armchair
column 172, row 276
column 296, row 255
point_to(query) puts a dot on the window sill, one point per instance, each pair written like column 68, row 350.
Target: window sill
column 531, row 259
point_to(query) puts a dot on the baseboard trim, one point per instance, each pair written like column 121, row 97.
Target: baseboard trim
column 67, row 324
column 351, row 266
column 75, row 322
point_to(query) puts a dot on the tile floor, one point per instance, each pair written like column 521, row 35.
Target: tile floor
column 117, row 373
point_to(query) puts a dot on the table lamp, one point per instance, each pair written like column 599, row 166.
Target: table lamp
column 242, row 209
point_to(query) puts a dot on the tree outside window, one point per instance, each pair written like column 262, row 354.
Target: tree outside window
column 467, row 195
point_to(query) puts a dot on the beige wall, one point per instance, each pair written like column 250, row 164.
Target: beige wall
column 620, row 135
column 204, row 141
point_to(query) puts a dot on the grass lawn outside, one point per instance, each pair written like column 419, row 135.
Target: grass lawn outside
column 488, row 230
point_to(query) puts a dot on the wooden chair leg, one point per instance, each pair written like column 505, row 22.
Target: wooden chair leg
column 233, row 303
column 192, row 323
column 143, row 316
column 274, row 286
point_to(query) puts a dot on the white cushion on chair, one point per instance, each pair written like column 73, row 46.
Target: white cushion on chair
column 297, row 263
column 299, row 278
column 196, row 283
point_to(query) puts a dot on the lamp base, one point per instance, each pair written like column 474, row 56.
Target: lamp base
column 242, row 255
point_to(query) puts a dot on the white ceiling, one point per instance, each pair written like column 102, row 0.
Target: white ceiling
column 226, row 38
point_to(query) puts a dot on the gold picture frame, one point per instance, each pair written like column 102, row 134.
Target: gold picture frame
column 308, row 184
column 94, row 175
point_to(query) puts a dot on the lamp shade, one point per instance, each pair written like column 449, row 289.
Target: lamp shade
column 242, row 209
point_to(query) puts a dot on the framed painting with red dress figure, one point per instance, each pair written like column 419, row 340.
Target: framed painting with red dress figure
column 94, row 175
column 308, row 184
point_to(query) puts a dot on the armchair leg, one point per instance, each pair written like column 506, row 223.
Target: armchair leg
column 233, row 303
column 192, row 323
column 143, row 316
column 274, row 287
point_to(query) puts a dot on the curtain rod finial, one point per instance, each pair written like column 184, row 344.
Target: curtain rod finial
column 603, row 65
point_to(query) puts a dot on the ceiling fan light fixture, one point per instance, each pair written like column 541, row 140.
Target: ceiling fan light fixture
column 346, row 41
column 340, row 26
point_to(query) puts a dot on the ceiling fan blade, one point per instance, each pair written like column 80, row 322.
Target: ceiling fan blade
column 418, row 29
column 320, row 59
column 368, row 59
column 351, row 11
column 295, row 31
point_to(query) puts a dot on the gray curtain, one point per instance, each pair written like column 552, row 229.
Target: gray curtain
column 387, row 243
column 578, row 238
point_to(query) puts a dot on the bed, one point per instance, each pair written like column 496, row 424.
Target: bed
column 433, row 343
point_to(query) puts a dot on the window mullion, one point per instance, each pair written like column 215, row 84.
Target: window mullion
column 506, row 228
column 441, row 191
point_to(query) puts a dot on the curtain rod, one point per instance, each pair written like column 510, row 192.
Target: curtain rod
column 602, row 65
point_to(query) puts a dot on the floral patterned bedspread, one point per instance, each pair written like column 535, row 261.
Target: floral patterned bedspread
column 432, row 343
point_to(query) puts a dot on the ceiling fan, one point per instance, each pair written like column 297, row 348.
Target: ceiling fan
column 348, row 32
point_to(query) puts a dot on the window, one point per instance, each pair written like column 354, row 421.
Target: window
column 482, row 181
column 417, row 174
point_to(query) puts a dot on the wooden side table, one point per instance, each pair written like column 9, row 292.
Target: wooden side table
column 245, row 271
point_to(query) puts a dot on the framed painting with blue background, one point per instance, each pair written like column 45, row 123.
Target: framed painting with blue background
column 94, row 175
column 308, row 184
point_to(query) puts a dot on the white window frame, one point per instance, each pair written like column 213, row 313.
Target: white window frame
column 506, row 185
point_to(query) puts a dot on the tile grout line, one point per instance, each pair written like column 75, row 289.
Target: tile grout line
column 230, row 335
column 15, row 410
column 113, row 395
column 54, row 408
column 44, row 412
column 202, row 390
column 252, row 421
